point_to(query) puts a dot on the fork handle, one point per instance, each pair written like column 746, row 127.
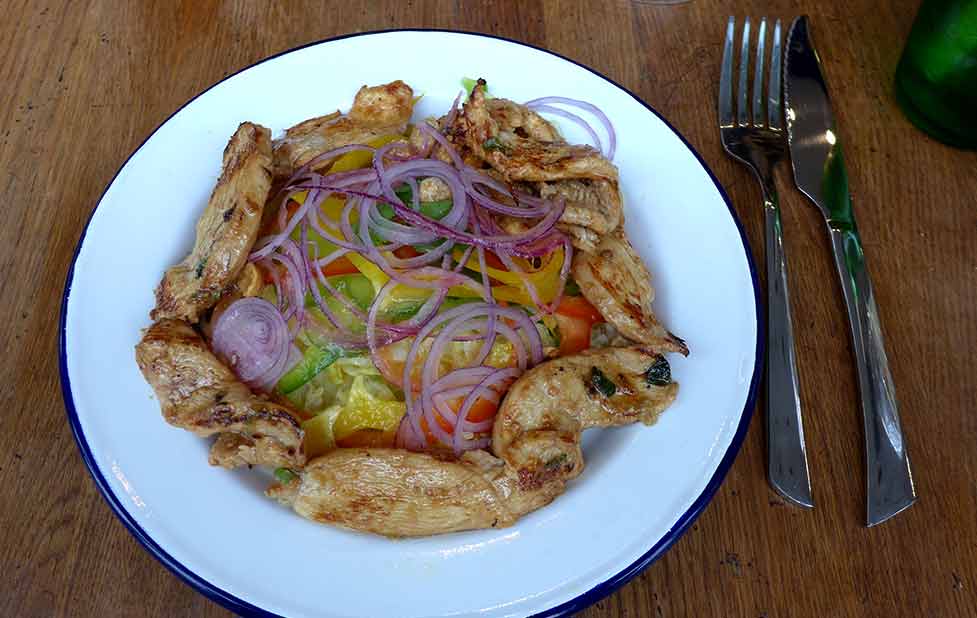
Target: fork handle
column 889, row 478
column 786, row 452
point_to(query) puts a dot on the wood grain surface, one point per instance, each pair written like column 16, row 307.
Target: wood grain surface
column 84, row 82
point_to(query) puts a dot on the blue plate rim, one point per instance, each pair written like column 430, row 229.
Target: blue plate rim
column 568, row 608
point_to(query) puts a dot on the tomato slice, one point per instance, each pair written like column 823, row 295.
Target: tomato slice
column 575, row 316
column 580, row 308
column 481, row 410
column 266, row 277
column 442, row 423
column 493, row 261
column 574, row 334
column 406, row 252
column 339, row 266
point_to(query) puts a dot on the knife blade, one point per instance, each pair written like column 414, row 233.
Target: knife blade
column 819, row 173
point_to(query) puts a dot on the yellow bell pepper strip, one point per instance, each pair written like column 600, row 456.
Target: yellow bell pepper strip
column 319, row 438
column 365, row 410
column 457, row 354
column 362, row 158
column 332, row 206
column 368, row 438
column 546, row 279
column 370, row 270
column 342, row 424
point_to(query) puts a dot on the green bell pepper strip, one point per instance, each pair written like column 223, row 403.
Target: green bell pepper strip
column 314, row 360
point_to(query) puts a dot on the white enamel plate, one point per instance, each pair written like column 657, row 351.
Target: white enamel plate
column 643, row 486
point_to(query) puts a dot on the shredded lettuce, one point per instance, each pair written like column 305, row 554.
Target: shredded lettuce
column 348, row 396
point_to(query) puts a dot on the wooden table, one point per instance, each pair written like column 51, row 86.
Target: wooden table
column 84, row 82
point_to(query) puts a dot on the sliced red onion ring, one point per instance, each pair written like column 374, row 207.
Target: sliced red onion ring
column 562, row 113
column 498, row 380
column 291, row 286
column 593, row 109
column 252, row 337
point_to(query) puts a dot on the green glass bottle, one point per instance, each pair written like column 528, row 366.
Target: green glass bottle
column 936, row 82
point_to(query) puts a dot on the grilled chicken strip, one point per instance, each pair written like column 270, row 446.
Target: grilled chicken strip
column 226, row 230
column 509, row 116
column 593, row 204
column 614, row 280
column 582, row 238
column 522, row 145
column 377, row 111
column 197, row 392
column 512, row 117
column 523, row 158
column 536, row 446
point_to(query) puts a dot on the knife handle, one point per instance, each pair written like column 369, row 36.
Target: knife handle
column 786, row 454
column 889, row 478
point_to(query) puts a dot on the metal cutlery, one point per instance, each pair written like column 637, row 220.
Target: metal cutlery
column 757, row 139
column 819, row 172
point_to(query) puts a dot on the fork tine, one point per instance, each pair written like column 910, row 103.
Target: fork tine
column 758, row 74
column 726, row 79
column 774, row 115
column 741, row 96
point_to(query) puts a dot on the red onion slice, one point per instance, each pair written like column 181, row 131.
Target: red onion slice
column 252, row 337
column 562, row 113
column 498, row 380
column 590, row 107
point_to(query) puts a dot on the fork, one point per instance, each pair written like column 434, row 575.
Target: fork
column 758, row 140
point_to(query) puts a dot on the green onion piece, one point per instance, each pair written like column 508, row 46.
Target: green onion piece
column 601, row 383
column 556, row 462
column 492, row 143
column 659, row 373
column 285, row 476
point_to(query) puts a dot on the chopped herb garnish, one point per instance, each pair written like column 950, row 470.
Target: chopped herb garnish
column 660, row 373
column 284, row 475
column 492, row 143
column 571, row 288
column 556, row 462
column 199, row 270
column 601, row 383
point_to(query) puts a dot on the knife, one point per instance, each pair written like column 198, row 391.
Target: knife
column 819, row 172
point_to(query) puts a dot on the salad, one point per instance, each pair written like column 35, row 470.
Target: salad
column 412, row 322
